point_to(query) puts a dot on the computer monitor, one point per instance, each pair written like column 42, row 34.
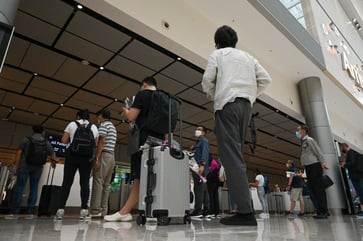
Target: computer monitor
column 6, row 33
column 56, row 141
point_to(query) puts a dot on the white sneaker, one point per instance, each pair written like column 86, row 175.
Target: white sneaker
column 29, row 216
column 59, row 215
column 83, row 214
column 264, row 216
column 118, row 217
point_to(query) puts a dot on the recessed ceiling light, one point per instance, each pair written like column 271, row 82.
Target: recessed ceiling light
column 79, row 6
column 101, row 68
column 35, row 74
column 85, row 62
column 61, row 104
column 179, row 58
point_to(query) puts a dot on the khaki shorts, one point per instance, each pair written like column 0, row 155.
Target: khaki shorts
column 296, row 194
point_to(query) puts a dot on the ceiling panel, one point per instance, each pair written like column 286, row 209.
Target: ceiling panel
column 146, row 55
column 83, row 99
column 128, row 89
column 194, row 96
column 189, row 110
column 74, row 72
column 17, row 50
column 55, row 12
column 56, row 124
column 200, row 117
column 100, row 33
column 12, row 85
column 272, row 118
column 183, row 74
column 4, row 112
column 66, row 113
column 128, row 68
column 262, row 110
column 168, row 85
column 50, row 90
column 35, row 28
column 26, row 117
column 42, row 107
column 37, row 60
column 104, row 83
column 15, row 74
column 18, row 101
column 116, row 110
column 209, row 124
column 83, row 48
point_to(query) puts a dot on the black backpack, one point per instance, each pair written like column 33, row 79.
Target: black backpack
column 37, row 152
column 83, row 143
column 157, row 118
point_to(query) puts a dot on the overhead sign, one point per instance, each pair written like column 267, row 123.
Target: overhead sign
column 352, row 70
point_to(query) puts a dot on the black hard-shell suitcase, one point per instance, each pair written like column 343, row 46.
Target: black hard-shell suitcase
column 164, row 180
column 50, row 197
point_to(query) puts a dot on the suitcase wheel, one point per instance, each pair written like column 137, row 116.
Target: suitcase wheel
column 141, row 220
column 163, row 220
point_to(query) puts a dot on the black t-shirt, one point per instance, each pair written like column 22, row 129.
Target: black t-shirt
column 296, row 181
column 142, row 102
column 351, row 162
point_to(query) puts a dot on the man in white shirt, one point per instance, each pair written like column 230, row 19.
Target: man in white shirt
column 233, row 79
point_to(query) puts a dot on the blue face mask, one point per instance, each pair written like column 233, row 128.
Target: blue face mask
column 298, row 135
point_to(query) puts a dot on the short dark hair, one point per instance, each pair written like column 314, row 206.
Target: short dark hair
column 291, row 162
column 105, row 113
column 344, row 144
column 257, row 171
column 305, row 128
column 203, row 128
column 225, row 37
column 83, row 114
column 149, row 81
column 38, row 129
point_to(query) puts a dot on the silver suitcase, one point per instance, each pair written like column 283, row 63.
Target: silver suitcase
column 164, row 185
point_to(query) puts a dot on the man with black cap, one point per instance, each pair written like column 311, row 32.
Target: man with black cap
column 76, row 161
column 29, row 161
column 103, row 164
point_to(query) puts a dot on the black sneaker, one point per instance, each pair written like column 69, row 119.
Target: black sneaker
column 196, row 216
column 240, row 219
column 301, row 215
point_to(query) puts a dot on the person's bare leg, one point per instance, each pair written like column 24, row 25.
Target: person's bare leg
column 302, row 206
column 132, row 199
column 292, row 206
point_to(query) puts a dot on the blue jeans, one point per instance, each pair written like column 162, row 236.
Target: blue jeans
column 358, row 186
column 33, row 173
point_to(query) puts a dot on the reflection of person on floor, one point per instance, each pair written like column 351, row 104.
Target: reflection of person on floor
column 137, row 113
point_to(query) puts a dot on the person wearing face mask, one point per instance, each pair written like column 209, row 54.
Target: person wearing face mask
column 295, row 186
column 313, row 160
column 201, row 155
column 103, row 164
column 352, row 160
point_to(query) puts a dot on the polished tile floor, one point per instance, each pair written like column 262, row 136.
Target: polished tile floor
column 277, row 228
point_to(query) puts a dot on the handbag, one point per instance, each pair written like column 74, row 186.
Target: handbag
column 327, row 181
column 133, row 137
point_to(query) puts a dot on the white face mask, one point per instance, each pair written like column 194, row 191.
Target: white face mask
column 198, row 133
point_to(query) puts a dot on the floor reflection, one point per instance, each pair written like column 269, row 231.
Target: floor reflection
column 276, row 228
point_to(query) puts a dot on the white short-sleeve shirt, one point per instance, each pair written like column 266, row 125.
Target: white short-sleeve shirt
column 72, row 127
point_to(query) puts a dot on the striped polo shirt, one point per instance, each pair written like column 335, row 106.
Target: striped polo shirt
column 108, row 131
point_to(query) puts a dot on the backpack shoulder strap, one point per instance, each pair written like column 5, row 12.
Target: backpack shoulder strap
column 77, row 123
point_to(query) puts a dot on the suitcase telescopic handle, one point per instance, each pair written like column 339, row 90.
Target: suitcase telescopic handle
column 51, row 181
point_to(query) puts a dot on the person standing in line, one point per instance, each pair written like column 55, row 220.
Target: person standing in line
column 213, row 184
column 74, row 162
column 26, row 169
column 103, row 164
column 295, row 187
column 201, row 155
column 313, row 160
column 352, row 160
column 259, row 184
column 233, row 79
column 137, row 113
